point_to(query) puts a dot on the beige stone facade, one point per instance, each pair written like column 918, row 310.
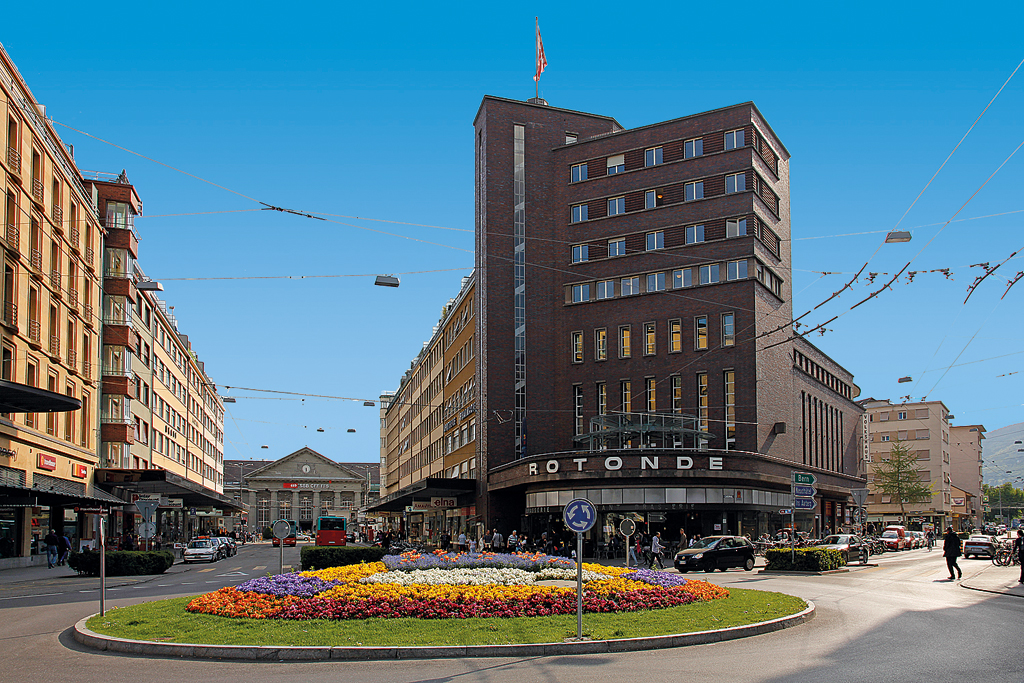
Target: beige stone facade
column 965, row 467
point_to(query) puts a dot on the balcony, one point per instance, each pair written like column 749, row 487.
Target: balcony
column 55, row 346
column 35, row 334
column 55, row 283
column 13, row 237
column 10, row 314
column 120, row 430
column 57, row 214
column 87, row 315
column 90, row 258
column 87, row 370
column 36, row 259
column 14, row 161
column 76, row 236
column 72, row 360
column 115, row 371
column 37, row 191
column 73, row 298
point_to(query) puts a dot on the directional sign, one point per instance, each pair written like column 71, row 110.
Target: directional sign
column 580, row 515
column 627, row 527
column 786, row 511
column 805, row 491
column 804, row 503
column 804, row 478
column 860, row 496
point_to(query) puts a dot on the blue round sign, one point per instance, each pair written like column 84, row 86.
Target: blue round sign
column 580, row 515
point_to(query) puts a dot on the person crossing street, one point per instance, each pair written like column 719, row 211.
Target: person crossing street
column 951, row 550
column 656, row 550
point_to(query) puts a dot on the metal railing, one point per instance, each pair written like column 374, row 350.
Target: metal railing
column 10, row 313
column 14, row 160
column 72, row 359
column 55, row 283
column 90, row 257
column 57, row 214
column 35, row 331
column 86, row 369
column 87, row 314
column 55, row 346
column 13, row 236
column 36, row 258
column 73, row 298
column 37, row 190
column 75, row 236
column 110, row 371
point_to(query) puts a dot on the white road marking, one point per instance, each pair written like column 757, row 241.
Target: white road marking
column 37, row 595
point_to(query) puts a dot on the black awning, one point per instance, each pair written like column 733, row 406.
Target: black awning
column 22, row 398
column 54, row 496
column 126, row 482
column 431, row 487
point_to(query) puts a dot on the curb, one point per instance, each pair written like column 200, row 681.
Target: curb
column 988, row 590
column 263, row 653
column 784, row 572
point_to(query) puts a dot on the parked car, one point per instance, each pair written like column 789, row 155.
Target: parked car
column 895, row 538
column 852, row 547
column 201, row 550
column 978, row 545
column 230, row 548
column 716, row 552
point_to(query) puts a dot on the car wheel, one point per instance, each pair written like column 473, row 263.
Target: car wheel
column 863, row 557
column 709, row 566
column 683, row 571
column 749, row 564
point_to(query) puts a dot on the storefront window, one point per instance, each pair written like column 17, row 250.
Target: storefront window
column 10, row 539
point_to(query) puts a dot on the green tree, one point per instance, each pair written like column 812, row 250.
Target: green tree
column 898, row 478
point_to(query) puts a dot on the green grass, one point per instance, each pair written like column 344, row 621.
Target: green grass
column 167, row 621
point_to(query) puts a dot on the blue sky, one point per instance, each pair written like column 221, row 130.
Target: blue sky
column 368, row 112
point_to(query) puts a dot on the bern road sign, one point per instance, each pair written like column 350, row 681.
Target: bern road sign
column 627, row 527
column 805, row 491
column 580, row 515
column 804, row 503
column 805, row 478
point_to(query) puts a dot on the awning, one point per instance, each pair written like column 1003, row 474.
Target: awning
column 431, row 487
column 52, row 494
column 193, row 495
column 22, row 398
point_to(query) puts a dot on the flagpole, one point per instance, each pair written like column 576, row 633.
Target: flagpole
column 536, row 79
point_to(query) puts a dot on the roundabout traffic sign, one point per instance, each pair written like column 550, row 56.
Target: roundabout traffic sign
column 580, row 515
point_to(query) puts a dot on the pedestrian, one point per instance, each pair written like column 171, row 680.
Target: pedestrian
column 463, row 546
column 65, row 549
column 497, row 541
column 951, row 550
column 682, row 540
column 631, row 552
column 1018, row 550
column 52, row 542
column 488, row 539
column 656, row 549
column 472, row 545
column 929, row 538
column 513, row 542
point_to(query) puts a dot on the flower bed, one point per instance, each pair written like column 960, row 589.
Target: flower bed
column 449, row 585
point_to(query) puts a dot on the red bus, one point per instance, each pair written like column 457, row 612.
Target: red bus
column 331, row 531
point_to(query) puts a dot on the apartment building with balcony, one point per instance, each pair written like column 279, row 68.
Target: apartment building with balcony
column 965, row 469
column 924, row 428
column 50, row 321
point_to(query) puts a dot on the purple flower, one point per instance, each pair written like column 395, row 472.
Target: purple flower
column 283, row 585
column 527, row 562
column 655, row 578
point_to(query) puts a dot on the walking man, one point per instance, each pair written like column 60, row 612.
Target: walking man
column 656, row 549
column 497, row 541
column 1018, row 549
column 52, row 543
column 951, row 550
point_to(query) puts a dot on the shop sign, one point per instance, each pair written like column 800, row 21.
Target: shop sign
column 443, row 503
column 7, row 452
column 615, row 462
column 172, row 503
column 958, row 502
column 79, row 471
column 418, row 506
column 304, row 485
column 47, row 462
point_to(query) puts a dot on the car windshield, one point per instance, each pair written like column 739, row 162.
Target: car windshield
column 983, row 539
column 890, row 534
column 199, row 544
column 835, row 540
column 709, row 542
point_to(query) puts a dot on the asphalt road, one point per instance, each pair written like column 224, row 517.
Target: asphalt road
column 900, row 621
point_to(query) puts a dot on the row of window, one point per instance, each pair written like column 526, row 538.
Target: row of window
column 734, row 182
column 824, row 376
column 654, row 156
column 649, row 338
column 680, row 278
column 655, row 240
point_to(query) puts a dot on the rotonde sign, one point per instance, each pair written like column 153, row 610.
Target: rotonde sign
column 614, row 463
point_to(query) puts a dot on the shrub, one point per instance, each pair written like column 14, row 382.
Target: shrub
column 324, row 556
column 807, row 559
column 122, row 562
column 268, row 533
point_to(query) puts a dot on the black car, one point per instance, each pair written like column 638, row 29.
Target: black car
column 716, row 552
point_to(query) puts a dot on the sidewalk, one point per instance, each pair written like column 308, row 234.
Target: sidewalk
column 993, row 579
column 41, row 573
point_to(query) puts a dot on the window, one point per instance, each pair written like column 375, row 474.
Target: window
column 650, row 339
column 675, row 335
column 709, row 274
column 653, row 198
column 577, row 408
column 602, row 398
column 652, row 401
column 606, row 289
column 580, row 293
column 616, row 164
column 629, row 285
column 570, row 138
column 702, row 403
column 700, row 338
column 736, row 227
column 656, row 282
column 693, row 191
column 694, row 234
column 626, row 394
column 728, row 329
column 736, row 182
column 885, row 437
column 579, row 213
column 693, row 148
column 730, row 408
column 681, row 277
column 734, row 139
column 652, row 156
column 578, row 173
column 617, row 247
column 601, row 344
column 580, row 253
column 901, row 415
column 770, row 280
column 577, row 347
column 737, row 270
column 624, row 342
column 616, row 205
column 655, row 240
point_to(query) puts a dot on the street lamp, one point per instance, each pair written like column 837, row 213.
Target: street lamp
column 897, row 236
column 387, row 281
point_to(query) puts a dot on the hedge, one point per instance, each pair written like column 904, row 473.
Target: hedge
column 807, row 559
column 324, row 556
column 122, row 562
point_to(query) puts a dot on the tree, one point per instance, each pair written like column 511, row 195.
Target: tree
column 898, row 478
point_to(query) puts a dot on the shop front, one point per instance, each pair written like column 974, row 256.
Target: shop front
column 429, row 508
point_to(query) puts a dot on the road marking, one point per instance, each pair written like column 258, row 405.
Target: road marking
column 37, row 595
column 210, row 582
column 161, row 585
column 234, row 574
column 259, row 566
column 208, row 569
column 187, row 583
column 236, row 569
column 93, row 590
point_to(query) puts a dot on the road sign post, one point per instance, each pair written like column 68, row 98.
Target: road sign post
column 627, row 528
column 579, row 515
column 281, row 529
column 802, row 488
